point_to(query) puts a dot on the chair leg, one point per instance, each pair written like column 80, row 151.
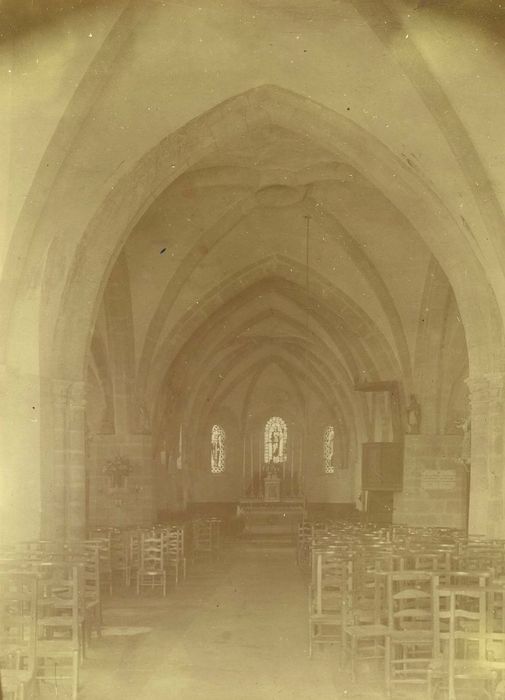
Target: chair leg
column 345, row 651
column 85, row 633
column 341, row 643
column 354, row 652
column 387, row 664
column 98, row 627
column 75, row 676
column 430, row 685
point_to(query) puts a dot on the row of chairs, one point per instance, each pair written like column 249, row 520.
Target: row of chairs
column 49, row 610
column 428, row 605
column 150, row 556
column 155, row 554
column 51, row 595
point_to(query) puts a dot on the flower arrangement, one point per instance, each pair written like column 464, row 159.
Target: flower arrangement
column 118, row 469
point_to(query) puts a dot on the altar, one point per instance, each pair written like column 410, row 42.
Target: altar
column 271, row 517
column 272, row 502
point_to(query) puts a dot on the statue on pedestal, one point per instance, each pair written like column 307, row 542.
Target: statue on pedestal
column 413, row 416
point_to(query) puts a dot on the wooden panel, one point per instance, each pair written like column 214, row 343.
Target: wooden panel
column 380, row 507
column 382, row 466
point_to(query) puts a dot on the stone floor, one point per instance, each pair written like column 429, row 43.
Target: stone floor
column 236, row 629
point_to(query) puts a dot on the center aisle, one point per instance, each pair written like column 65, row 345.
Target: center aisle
column 234, row 630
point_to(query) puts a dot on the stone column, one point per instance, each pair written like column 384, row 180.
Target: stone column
column 486, row 509
column 76, row 463
column 21, row 479
column 53, row 456
column 63, row 504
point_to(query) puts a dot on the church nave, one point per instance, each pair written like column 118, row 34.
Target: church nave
column 252, row 282
column 235, row 628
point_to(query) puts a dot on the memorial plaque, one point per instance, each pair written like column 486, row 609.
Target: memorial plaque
column 438, row 479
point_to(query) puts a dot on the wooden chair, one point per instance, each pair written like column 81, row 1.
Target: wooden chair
column 202, row 540
column 59, row 624
column 120, row 556
column 470, row 652
column 433, row 559
column 134, row 540
column 105, row 560
column 368, row 560
column 365, row 630
column 175, row 560
column 410, row 619
column 87, row 554
column 46, row 550
column 329, row 595
column 152, row 572
column 303, row 544
column 91, row 590
column 18, row 631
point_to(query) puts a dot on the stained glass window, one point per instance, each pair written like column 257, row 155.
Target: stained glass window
column 329, row 449
column 218, row 449
column 276, row 438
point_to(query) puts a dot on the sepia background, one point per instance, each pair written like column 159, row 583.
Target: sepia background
column 217, row 213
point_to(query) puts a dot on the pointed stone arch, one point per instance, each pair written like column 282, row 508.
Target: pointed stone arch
column 61, row 291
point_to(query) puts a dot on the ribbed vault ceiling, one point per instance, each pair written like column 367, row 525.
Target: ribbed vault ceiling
column 225, row 247
column 274, row 214
column 271, row 253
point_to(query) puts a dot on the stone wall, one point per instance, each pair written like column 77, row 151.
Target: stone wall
column 132, row 505
column 227, row 487
column 330, row 488
column 440, row 507
column 208, row 487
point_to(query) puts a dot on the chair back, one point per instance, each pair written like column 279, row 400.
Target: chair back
column 152, row 549
column 18, row 619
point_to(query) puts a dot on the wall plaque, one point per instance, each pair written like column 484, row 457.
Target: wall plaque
column 438, row 479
